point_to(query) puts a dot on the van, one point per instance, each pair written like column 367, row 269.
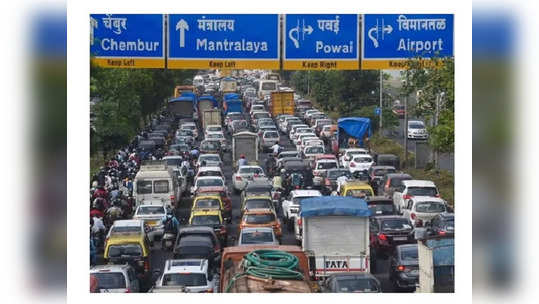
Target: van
column 156, row 181
column 265, row 87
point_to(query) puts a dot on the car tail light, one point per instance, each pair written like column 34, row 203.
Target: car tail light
column 146, row 266
column 238, row 178
column 276, row 195
column 382, row 237
column 352, row 164
column 172, row 198
column 328, row 182
column 437, row 195
column 299, row 221
column 297, row 187
column 407, row 196
column 209, row 290
column 412, row 216
column 401, row 268
column 128, row 290
column 441, row 232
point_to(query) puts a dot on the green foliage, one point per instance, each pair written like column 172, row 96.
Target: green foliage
column 442, row 136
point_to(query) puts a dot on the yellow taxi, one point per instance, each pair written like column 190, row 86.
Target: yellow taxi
column 257, row 202
column 131, row 248
column 356, row 189
column 212, row 201
column 211, row 218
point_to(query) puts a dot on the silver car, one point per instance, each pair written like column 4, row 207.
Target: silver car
column 257, row 236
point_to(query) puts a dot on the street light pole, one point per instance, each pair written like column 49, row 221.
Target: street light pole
column 406, row 123
column 381, row 79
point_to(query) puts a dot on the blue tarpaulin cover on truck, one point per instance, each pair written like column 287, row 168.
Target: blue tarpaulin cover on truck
column 356, row 127
column 232, row 105
column 182, row 98
column 211, row 98
column 228, row 96
column 334, row 205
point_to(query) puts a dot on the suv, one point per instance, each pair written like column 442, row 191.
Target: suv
column 193, row 274
column 115, row 278
column 413, row 188
column 290, row 205
column 391, row 181
column 422, row 209
column 388, row 231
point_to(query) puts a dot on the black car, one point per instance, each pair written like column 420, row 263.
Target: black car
column 388, row 231
column 404, row 267
column 258, row 188
column 351, row 282
column 197, row 247
column 329, row 184
column 381, row 205
column 376, row 174
column 390, row 182
column 442, row 224
column 387, row 160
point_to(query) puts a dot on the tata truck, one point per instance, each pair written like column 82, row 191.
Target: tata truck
column 334, row 233
column 245, row 143
column 282, row 102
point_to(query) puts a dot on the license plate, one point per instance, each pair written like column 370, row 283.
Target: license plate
column 400, row 238
column 151, row 223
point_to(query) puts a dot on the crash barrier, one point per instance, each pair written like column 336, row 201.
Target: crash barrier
column 269, row 264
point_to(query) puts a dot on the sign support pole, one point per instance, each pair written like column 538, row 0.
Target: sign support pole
column 381, row 106
column 405, row 133
column 166, row 42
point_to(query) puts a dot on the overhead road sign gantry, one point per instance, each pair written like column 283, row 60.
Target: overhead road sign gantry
column 321, row 42
column 223, row 41
column 127, row 40
column 389, row 40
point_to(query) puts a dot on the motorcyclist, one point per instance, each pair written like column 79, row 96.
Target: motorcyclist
column 242, row 161
column 194, row 153
column 114, row 212
column 171, row 224
column 276, row 148
column 270, row 164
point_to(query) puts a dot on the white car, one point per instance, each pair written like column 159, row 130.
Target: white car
column 299, row 131
column 320, row 168
column 152, row 215
column 207, row 181
column 210, row 171
column 302, row 143
column 190, row 126
column 257, row 236
column 360, row 162
column 212, row 160
column 217, row 136
column 213, row 128
column 194, row 275
column 348, row 154
column 269, row 139
column 423, row 209
column 310, row 152
column 290, row 205
column 244, row 175
column 412, row 189
column 298, row 139
column 308, row 113
column 115, row 278
column 417, row 130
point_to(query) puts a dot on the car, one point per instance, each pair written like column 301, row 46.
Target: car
column 329, row 182
column 210, row 171
column 290, row 205
column 319, row 123
column 310, row 152
column 441, row 224
column 422, row 209
column 245, row 174
column 390, row 182
column 286, row 154
column 387, row 160
column 284, row 126
column 211, row 146
column 220, row 191
column 257, row 202
column 348, row 154
column 417, row 130
column 269, row 139
column 388, row 231
column 205, row 201
column 213, row 128
column 300, row 136
column 257, row 236
column 204, row 231
column 265, row 128
column 207, row 181
column 257, row 108
column 404, row 267
column 217, row 136
column 381, row 205
column 190, row 126
column 376, row 174
column 261, row 218
column 152, row 216
column 211, row 218
column 194, row 275
column 239, row 126
column 212, row 160
column 322, row 163
column 361, row 162
column 413, row 188
column 327, row 131
column 258, row 115
column 115, row 278
column 351, row 282
column 132, row 226
column 355, row 189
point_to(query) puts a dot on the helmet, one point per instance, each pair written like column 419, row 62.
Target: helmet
column 242, row 156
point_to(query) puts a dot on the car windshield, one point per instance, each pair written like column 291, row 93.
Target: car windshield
column 397, row 181
column 357, row 285
column 396, row 224
column 271, row 135
column 210, row 173
column 416, row 125
column 430, row 207
column 188, row 127
column 132, row 250
column 359, row 192
column 314, row 150
column 268, row 86
column 256, row 237
column 214, row 129
column 212, row 158
column 326, row 165
column 422, row 191
column 261, row 115
column 185, row 132
column 409, row 253
column 259, row 218
column 209, row 145
column 151, row 210
column 144, row 187
column 109, row 280
column 215, row 135
column 174, row 161
column 160, row 186
column 382, row 172
column 184, row 279
column 251, row 170
column 334, row 174
column 362, row 159
column 206, row 220
column 125, row 229
column 207, row 203
column 288, row 154
column 258, row 204
column 210, row 182
column 382, row 209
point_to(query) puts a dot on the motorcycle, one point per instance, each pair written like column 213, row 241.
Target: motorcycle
column 168, row 240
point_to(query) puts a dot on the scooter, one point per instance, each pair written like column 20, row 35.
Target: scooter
column 168, row 240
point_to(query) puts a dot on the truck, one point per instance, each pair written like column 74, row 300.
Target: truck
column 358, row 128
column 182, row 107
column 211, row 117
column 436, row 256
column 228, row 85
column 232, row 105
column 282, row 102
column 178, row 90
column 265, row 87
column 233, row 279
column 245, row 143
column 334, row 233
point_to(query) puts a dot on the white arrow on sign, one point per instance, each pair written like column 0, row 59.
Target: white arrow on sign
column 182, row 26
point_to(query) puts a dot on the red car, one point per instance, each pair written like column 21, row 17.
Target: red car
column 399, row 111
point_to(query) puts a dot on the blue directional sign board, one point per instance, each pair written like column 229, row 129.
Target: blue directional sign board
column 127, row 40
column 223, row 41
column 389, row 40
column 321, row 42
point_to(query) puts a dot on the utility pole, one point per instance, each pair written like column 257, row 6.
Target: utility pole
column 436, row 118
column 381, row 106
column 406, row 123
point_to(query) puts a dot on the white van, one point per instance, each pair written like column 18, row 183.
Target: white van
column 265, row 87
column 198, row 81
column 156, row 181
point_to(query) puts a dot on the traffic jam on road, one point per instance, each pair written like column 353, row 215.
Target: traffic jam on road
column 242, row 185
